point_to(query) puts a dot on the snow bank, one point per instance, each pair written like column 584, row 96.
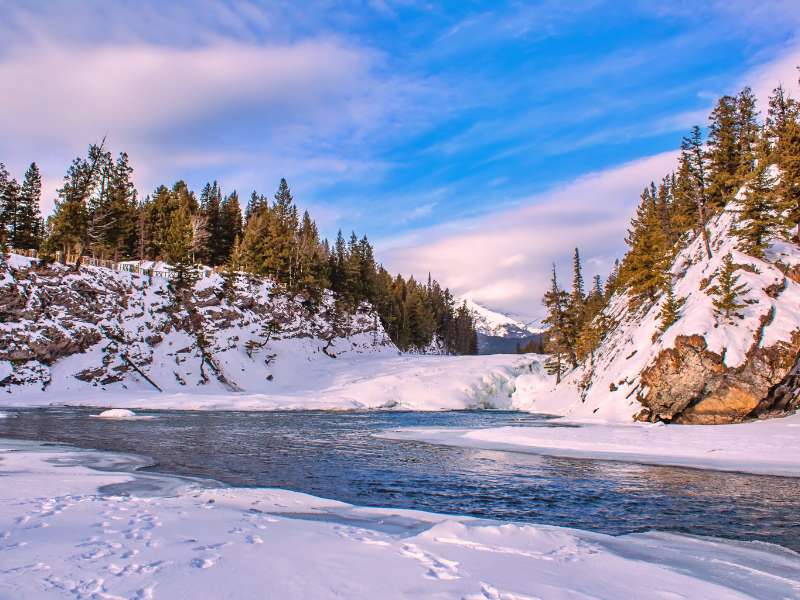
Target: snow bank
column 769, row 447
column 380, row 381
column 62, row 538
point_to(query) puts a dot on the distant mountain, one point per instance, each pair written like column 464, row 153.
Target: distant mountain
column 500, row 333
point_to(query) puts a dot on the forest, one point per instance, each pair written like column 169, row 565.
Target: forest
column 99, row 213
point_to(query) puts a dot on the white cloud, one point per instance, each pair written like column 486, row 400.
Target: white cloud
column 65, row 91
column 766, row 77
column 504, row 259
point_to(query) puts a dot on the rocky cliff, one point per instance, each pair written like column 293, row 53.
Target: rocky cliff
column 62, row 330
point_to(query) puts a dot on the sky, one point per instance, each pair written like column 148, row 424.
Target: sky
column 478, row 141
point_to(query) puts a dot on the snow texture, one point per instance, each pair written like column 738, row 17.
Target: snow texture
column 70, row 531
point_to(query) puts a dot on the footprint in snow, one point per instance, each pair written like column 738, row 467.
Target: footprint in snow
column 437, row 567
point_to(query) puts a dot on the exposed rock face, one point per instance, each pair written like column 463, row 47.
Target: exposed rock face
column 690, row 384
column 122, row 330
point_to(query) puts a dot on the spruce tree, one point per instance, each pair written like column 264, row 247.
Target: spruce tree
column 748, row 132
column 230, row 274
column 643, row 270
column 28, row 215
column 693, row 156
column 179, row 252
column 10, row 207
column 757, row 211
column 723, row 153
column 789, row 188
column 557, row 344
column 230, row 225
column 727, row 293
column 670, row 308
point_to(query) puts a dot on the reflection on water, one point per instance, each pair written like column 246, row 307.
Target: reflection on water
column 335, row 455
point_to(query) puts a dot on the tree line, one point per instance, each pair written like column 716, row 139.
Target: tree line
column 739, row 151
column 99, row 213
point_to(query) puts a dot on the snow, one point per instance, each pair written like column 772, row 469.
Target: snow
column 69, row 531
column 385, row 381
column 116, row 413
column 770, row 447
column 608, row 389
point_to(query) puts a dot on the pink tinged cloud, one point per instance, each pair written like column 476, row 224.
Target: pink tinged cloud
column 504, row 259
column 69, row 91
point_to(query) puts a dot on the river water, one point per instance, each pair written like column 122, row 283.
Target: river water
column 336, row 455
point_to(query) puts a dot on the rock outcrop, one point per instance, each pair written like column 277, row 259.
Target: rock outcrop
column 690, row 384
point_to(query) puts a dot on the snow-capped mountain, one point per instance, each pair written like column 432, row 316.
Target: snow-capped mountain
column 497, row 324
column 500, row 333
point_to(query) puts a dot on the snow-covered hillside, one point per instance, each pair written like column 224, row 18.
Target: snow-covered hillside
column 108, row 338
column 702, row 369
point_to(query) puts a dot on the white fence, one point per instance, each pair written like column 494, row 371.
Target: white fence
column 149, row 269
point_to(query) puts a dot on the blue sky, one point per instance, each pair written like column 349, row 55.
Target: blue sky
column 478, row 140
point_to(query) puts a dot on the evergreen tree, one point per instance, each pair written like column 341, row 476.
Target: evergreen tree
column 748, row 132
column 10, row 211
column 670, row 308
column 694, row 158
column 723, row 154
column 178, row 250
column 644, row 267
column 557, row 343
column 27, row 234
column 727, row 293
column 230, row 226
column 210, row 209
column 782, row 111
column 70, row 222
column 789, row 188
column 230, row 274
column 757, row 211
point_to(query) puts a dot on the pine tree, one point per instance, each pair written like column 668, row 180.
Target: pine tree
column 28, row 215
column 782, row 111
column 10, row 207
column 789, row 188
column 179, row 252
column 230, row 274
column 643, row 270
column 693, row 156
column 757, row 211
column 748, row 133
column 210, row 209
column 230, row 225
column 575, row 312
column 670, row 308
column 557, row 345
column 727, row 293
column 723, row 153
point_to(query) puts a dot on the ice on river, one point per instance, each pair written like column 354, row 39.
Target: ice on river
column 66, row 530
column 770, row 447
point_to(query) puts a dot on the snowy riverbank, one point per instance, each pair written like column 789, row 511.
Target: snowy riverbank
column 407, row 382
column 61, row 537
column 769, row 447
